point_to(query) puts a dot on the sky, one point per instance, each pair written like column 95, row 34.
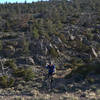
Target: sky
column 21, row 1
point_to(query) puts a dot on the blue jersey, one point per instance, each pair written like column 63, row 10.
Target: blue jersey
column 51, row 68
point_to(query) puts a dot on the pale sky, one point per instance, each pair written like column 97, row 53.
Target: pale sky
column 21, row 1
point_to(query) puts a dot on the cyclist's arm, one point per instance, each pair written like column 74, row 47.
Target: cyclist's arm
column 46, row 66
column 54, row 69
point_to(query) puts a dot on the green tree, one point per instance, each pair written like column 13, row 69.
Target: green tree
column 35, row 33
column 1, row 45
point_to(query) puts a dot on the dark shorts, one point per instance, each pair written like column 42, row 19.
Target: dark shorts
column 50, row 73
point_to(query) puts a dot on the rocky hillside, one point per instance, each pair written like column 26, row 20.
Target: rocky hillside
column 62, row 33
column 32, row 34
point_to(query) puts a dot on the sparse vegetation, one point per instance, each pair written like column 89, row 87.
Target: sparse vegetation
column 11, row 64
column 35, row 33
column 24, row 73
column 53, row 52
column 84, row 70
column 1, row 45
column 6, row 82
column 64, row 31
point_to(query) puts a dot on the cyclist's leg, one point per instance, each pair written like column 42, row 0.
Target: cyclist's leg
column 47, row 81
column 51, row 80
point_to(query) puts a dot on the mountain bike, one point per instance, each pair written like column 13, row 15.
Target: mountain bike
column 49, row 83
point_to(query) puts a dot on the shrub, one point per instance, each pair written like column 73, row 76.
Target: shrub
column 6, row 82
column 85, row 69
column 3, row 81
column 25, row 47
column 11, row 82
column 27, row 74
column 77, row 61
column 53, row 52
column 10, row 63
column 0, row 45
column 19, row 72
column 35, row 33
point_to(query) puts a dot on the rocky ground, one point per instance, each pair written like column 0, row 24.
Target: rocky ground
column 64, row 89
column 33, row 34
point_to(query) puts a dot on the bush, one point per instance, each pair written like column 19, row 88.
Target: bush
column 85, row 69
column 26, row 74
column 0, row 45
column 6, row 82
column 3, row 81
column 11, row 64
column 76, row 61
column 35, row 33
column 11, row 82
column 25, row 47
column 53, row 52
column 19, row 72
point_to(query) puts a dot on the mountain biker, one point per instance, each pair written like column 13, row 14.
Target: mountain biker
column 51, row 69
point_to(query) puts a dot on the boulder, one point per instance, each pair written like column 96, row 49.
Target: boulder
column 72, row 37
column 94, row 52
column 92, row 95
column 35, row 93
column 30, row 60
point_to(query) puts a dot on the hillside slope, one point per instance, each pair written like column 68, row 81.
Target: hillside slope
column 65, row 32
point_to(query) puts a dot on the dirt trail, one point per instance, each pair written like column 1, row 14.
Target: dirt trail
column 62, row 73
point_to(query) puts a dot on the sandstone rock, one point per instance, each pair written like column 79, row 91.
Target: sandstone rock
column 69, row 96
column 92, row 94
column 94, row 52
column 51, row 45
column 20, row 87
column 17, row 98
column 35, row 93
column 17, row 92
column 30, row 60
column 47, row 97
column 72, row 37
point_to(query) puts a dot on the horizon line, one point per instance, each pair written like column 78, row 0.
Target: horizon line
column 7, row 2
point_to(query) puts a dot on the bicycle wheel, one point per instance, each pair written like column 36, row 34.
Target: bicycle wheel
column 53, row 82
column 45, row 83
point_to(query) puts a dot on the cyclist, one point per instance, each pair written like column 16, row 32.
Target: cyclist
column 51, row 69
